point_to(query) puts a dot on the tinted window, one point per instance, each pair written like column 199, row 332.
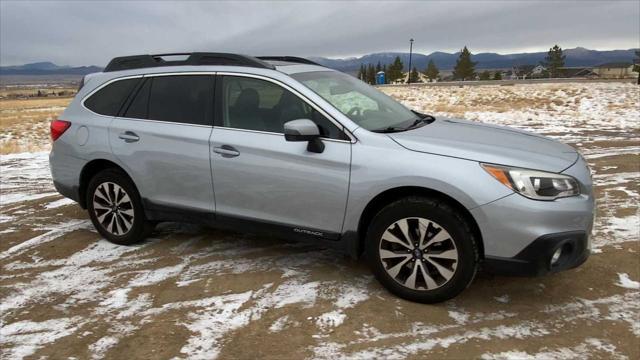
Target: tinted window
column 109, row 99
column 255, row 104
column 182, row 99
column 139, row 107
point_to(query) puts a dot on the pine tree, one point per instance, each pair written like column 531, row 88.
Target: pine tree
column 395, row 70
column 371, row 74
column 384, row 70
column 554, row 61
column 414, row 76
column 363, row 69
column 497, row 75
column 636, row 67
column 432, row 71
column 465, row 68
column 360, row 73
column 378, row 67
column 485, row 75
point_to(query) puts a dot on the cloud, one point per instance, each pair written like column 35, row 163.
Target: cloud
column 92, row 32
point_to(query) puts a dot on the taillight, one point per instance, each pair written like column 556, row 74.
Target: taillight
column 58, row 127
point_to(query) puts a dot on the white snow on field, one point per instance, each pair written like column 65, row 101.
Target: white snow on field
column 25, row 177
column 554, row 109
column 585, row 350
column 59, row 203
column 52, row 234
column 101, row 346
column 25, row 337
column 625, row 282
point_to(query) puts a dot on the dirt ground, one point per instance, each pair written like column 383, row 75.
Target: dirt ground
column 195, row 292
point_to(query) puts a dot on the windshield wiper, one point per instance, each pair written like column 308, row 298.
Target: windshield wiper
column 390, row 129
column 425, row 119
column 422, row 120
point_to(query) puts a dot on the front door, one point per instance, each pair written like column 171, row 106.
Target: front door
column 258, row 175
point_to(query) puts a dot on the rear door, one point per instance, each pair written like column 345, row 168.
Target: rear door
column 258, row 175
column 162, row 139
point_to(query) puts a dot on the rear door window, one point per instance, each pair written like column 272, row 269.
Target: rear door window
column 180, row 98
column 139, row 107
column 186, row 99
column 108, row 100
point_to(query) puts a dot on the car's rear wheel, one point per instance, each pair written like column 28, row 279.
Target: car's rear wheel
column 115, row 208
column 422, row 250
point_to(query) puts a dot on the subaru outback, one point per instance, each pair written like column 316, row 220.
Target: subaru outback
column 284, row 146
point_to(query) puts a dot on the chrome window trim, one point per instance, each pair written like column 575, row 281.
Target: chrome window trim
column 162, row 122
column 340, row 127
column 275, row 133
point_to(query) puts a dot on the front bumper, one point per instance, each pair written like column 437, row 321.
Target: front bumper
column 520, row 235
column 536, row 259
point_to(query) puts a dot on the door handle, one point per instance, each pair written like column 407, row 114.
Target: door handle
column 226, row 151
column 129, row 136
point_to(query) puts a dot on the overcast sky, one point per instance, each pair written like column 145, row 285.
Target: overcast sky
column 92, row 32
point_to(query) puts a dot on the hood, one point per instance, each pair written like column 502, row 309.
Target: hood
column 488, row 143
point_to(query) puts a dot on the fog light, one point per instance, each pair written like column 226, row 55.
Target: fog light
column 556, row 256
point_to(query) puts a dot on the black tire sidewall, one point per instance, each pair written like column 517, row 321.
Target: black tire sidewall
column 140, row 227
column 446, row 217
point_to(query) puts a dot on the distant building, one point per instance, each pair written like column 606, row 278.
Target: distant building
column 578, row 72
column 538, row 71
column 522, row 71
column 615, row 70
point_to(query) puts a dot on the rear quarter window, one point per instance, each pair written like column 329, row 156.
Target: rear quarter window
column 108, row 100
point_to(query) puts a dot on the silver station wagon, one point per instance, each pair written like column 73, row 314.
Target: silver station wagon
column 284, row 146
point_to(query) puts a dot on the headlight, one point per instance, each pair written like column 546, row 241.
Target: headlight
column 537, row 185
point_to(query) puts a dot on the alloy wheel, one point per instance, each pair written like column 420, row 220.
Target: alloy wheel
column 418, row 253
column 113, row 208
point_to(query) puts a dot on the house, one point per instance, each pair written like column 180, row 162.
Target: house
column 615, row 70
column 538, row 71
column 521, row 71
column 578, row 72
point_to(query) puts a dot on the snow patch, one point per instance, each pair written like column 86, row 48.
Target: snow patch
column 59, row 203
column 100, row 347
column 625, row 282
column 24, row 338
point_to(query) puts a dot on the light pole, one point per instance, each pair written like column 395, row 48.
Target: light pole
column 410, row 52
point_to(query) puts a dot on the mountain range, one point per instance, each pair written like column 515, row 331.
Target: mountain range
column 47, row 68
column 444, row 61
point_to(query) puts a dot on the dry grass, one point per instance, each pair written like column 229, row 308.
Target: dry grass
column 24, row 92
column 24, row 123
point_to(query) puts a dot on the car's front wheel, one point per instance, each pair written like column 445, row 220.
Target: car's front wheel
column 422, row 250
column 115, row 208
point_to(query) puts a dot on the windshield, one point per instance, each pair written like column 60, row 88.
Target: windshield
column 362, row 103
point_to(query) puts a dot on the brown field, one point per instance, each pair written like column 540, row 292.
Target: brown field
column 194, row 292
column 24, row 121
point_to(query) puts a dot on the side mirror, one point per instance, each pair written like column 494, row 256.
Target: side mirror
column 304, row 130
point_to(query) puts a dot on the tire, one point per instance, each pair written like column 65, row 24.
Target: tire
column 123, row 221
column 449, row 259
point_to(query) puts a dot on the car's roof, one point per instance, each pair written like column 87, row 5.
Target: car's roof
column 282, row 67
column 294, row 68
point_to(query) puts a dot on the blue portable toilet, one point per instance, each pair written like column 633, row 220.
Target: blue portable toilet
column 380, row 78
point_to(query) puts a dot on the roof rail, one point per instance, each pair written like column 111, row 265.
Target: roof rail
column 293, row 59
column 196, row 58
